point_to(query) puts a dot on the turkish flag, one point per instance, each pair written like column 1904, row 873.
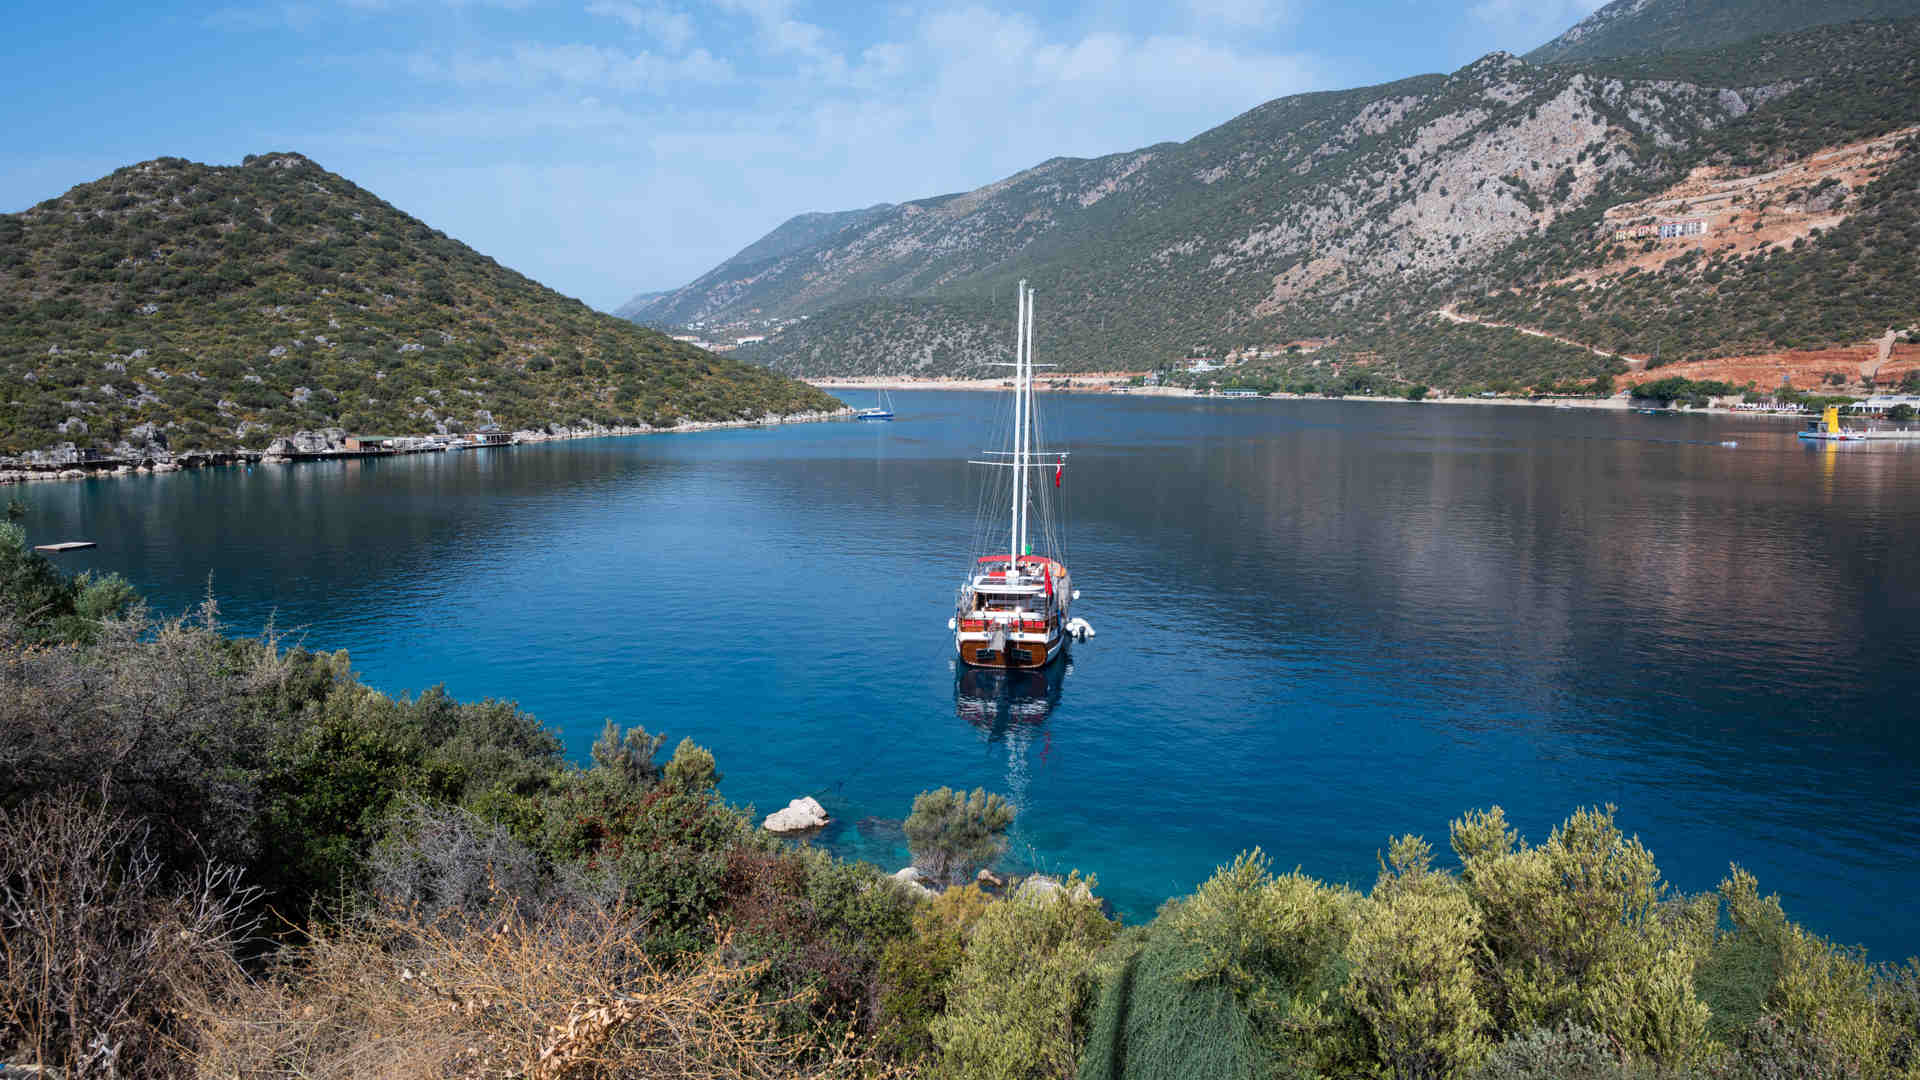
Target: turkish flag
column 1057, row 470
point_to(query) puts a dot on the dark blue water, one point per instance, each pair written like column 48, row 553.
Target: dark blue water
column 1320, row 624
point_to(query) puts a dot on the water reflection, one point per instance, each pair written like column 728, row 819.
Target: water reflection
column 997, row 700
column 1010, row 708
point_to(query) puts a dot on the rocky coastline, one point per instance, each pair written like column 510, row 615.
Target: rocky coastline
column 145, row 450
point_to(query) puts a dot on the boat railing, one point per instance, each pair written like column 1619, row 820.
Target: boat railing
column 1025, row 622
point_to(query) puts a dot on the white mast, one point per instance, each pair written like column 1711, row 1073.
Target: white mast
column 1019, row 472
column 1026, row 432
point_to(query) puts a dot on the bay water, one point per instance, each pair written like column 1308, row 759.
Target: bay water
column 1320, row 625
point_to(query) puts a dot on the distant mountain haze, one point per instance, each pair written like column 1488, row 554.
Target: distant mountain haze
column 1352, row 216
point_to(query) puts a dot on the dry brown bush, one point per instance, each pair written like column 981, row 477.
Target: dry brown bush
column 548, row 994
column 99, row 944
column 154, row 716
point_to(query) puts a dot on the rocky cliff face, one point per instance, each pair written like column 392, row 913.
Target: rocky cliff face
column 1285, row 219
column 1318, row 216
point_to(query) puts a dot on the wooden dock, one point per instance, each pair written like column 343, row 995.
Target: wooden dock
column 65, row 545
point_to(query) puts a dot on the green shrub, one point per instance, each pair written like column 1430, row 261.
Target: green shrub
column 1564, row 1053
column 1238, row 980
column 1773, row 1050
column 952, row 835
column 332, row 777
column 917, row 969
column 1896, row 994
column 1239, row 977
column 1020, row 1002
column 1412, row 977
column 819, row 926
column 1737, row 975
column 669, row 856
column 1581, row 930
column 692, row 768
column 1151, row 1023
column 39, row 604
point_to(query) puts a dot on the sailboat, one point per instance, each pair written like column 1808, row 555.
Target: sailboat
column 881, row 411
column 1013, row 610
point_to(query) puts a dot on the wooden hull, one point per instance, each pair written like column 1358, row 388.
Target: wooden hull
column 1016, row 654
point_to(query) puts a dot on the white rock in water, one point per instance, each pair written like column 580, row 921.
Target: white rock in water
column 911, row 878
column 1039, row 887
column 802, row 813
column 1044, row 887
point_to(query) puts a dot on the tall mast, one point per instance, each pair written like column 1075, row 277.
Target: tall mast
column 1026, row 432
column 1019, row 358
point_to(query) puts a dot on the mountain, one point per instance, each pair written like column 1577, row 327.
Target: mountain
column 795, row 235
column 1633, row 27
column 1350, row 216
column 199, row 306
column 634, row 307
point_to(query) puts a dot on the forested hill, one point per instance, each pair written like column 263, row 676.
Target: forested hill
column 1637, row 27
column 1348, row 216
column 190, row 306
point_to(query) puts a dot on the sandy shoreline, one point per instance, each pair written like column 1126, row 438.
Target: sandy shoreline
column 1113, row 384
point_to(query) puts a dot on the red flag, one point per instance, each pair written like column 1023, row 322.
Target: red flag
column 1057, row 470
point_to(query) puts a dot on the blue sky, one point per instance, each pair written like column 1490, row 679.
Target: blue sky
column 606, row 147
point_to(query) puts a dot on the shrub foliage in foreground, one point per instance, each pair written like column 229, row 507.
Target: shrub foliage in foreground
column 219, row 857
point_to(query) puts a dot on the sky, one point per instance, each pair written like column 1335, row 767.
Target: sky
column 611, row 147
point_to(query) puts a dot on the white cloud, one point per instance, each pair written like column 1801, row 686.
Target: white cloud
column 924, row 104
column 395, row 5
column 778, row 31
column 1102, row 92
column 531, row 64
column 673, row 29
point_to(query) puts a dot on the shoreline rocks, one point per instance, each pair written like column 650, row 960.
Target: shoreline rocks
column 800, row 815
column 59, row 463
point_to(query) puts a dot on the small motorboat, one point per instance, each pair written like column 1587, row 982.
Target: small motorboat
column 1828, row 429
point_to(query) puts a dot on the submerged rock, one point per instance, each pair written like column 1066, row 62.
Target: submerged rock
column 801, row 814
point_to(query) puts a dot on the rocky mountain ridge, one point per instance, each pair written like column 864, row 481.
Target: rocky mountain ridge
column 1339, row 215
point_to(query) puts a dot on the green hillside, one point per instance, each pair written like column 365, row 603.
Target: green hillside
column 206, row 306
column 1352, row 216
column 1841, row 286
column 1639, row 27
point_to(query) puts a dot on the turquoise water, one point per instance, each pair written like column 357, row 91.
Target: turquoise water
column 1320, row 624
